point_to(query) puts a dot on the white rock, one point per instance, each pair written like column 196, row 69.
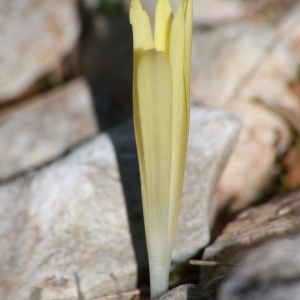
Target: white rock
column 45, row 128
column 74, row 217
column 34, row 37
column 230, row 67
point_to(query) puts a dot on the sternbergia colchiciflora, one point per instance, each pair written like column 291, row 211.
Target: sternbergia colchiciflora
column 161, row 100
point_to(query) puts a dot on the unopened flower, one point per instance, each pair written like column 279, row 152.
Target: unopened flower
column 161, row 99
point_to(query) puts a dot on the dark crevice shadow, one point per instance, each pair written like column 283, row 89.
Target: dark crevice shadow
column 104, row 58
column 108, row 110
column 194, row 292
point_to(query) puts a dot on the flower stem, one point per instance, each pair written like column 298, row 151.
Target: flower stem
column 159, row 280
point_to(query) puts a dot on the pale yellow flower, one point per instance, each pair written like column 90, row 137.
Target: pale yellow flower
column 161, row 98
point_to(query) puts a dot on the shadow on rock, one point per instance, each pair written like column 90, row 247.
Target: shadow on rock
column 125, row 149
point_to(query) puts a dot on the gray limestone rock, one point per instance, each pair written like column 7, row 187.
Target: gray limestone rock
column 75, row 227
column 270, row 272
column 45, row 127
column 187, row 292
column 275, row 219
column 34, row 37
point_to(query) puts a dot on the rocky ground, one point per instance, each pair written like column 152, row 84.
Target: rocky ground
column 71, row 224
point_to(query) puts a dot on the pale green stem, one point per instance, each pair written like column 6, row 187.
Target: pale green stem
column 159, row 280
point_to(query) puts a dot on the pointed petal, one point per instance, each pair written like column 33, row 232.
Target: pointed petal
column 163, row 21
column 142, row 34
column 154, row 86
column 142, row 41
column 179, row 117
